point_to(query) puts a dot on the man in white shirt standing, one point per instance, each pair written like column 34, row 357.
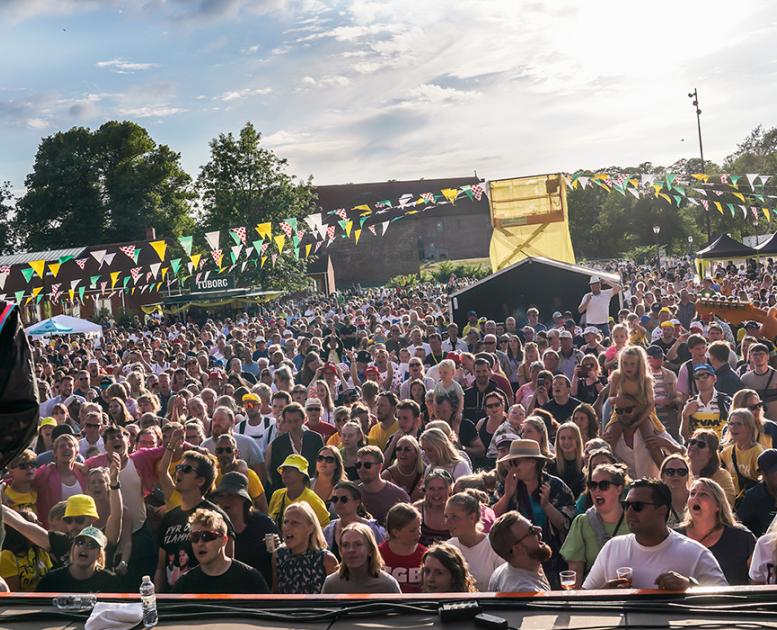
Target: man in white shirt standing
column 657, row 556
column 515, row 539
column 596, row 305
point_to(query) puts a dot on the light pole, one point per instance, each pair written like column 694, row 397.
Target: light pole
column 695, row 96
column 656, row 230
column 690, row 246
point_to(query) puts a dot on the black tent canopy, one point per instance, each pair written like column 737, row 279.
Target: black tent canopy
column 546, row 284
column 726, row 247
column 769, row 246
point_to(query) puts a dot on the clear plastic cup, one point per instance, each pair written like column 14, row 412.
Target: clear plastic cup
column 568, row 580
column 625, row 573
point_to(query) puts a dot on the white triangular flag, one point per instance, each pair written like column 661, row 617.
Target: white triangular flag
column 764, row 178
column 583, row 182
column 213, row 239
column 384, row 226
column 108, row 259
column 751, row 177
column 3, row 278
column 236, row 249
column 98, row 255
column 74, row 283
column 155, row 269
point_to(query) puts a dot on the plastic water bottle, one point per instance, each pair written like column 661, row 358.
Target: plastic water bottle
column 148, row 600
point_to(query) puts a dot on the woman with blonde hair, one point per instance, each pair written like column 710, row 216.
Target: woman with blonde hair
column 675, row 473
column 741, row 450
column 533, row 428
column 704, row 459
column 462, row 516
column 348, row 504
column 302, row 563
column 442, row 454
column 353, row 439
column 361, row 570
column 408, row 468
column 568, row 464
column 324, row 394
column 711, row 523
column 767, row 429
column 531, row 355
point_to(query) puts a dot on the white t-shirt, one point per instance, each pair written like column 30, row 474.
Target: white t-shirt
column 638, row 459
column 69, row 491
column 84, row 446
column 598, row 310
column 482, row 560
column 763, row 569
column 508, row 579
column 132, row 495
column 675, row 553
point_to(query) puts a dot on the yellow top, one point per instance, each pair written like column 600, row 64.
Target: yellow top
column 280, row 502
column 378, row 436
column 747, row 463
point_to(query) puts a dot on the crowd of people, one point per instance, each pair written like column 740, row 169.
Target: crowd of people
column 363, row 443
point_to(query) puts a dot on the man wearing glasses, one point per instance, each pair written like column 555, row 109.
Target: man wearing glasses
column 657, row 556
column 709, row 408
column 378, row 494
column 520, row 543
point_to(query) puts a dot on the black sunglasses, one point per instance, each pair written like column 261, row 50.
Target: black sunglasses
column 78, row 520
column 86, row 542
column 224, row 450
column 680, row 472
column 637, row 506
column 329, row 459
column 341, row 499
column 623, row 410
column 697, row 443
column 25, row 465
column 366, row 465
column 184, row 468
column 599, row 485
column 195, row 537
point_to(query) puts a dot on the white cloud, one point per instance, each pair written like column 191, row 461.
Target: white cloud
column 120, row 66
column 237, row 94
column 151, row 111
column 37, row 123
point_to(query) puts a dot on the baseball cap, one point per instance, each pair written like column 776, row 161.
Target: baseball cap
column 312, row 403
column 106, row 382
column 506, row 439
column 93, row 362
column 95, row 534
column 759, row 347
column 295, row 461
column 251, row 397
column 665, row 309
column 565, row 334
column 557, row 315
column 594, row 280
column 751, row 325
column 48, row 421
column 260, row 339
column 453, row 356
column 655, row 352
column 74, row 398
column 81, row 505
column 767, row 461
column 234, row 483
column 704, row 367
column 590, row 330
column 667, row 324
column 217, row 374
column 363, row 356
column 62, row 429
column 329, row 368
column 569, row 322
column 696, row 325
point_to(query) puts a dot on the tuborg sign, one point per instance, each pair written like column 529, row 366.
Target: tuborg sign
column 216, row 284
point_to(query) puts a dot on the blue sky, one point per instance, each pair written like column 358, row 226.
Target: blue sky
column 362, row 90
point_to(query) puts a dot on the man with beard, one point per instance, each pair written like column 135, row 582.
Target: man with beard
column 658, row 556
column 520, row 543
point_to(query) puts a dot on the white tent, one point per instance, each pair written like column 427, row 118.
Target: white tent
column 75, row 325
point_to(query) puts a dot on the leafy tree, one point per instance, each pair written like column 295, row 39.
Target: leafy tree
column 7, row 234
column 90, row 187
column 244, row 184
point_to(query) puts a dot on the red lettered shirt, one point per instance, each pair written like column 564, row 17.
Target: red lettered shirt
column 405, row 569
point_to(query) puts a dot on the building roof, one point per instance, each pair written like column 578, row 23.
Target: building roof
column 52, row 254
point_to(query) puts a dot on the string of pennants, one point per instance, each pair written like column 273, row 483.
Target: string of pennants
column 228, row 249
column 733, row 194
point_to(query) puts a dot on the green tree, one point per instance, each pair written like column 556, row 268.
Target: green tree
column 244, row 184
column 7, row 233
column 90, row 187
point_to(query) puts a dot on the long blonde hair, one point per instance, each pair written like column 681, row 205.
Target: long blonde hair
column 440, row 444
column 374, row 560
column 316, row 542
column 725, row 515
column 561, row 461
column 644, row 378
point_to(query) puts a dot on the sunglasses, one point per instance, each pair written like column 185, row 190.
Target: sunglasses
column 195, row 537
column 404, row 449
column 702, row 376
column 756, row 406
column 637, row 506
column 25, row 465
column 697, row 443
column 78, row 520
column 86, row 542
column 329, row 459
column 224, row 450
column 493, row 405
column 623, row 410
column 679, row 472
column 599, row 485
column 341, row 499
column 366, row 465
column 184, row 468
column 534, row 530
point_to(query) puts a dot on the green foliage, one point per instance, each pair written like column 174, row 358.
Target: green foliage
column 440, row 272
column 7, row 237
column 244, row 184
column 109, row 185
column 409, row 280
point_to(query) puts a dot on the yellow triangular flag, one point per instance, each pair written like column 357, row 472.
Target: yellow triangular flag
column 308, row 247
column 160, row 247
column 264, row 230
column 71, row 293
column 35, row 292
column 164, row 272
column 665, row 196
column 700, row 177
column 718, row 206
column 264, row 260
column 132, row 291
column 739, row 196
column 657, row 188
column 29, row 299
column 114, row 278
column 54, row 268
column 450, row 194
column 38, row 266
column 195, row 258
column 767, row 214
column 279, row 241
column 356, row 235
column 364, row 208
column 348, row 228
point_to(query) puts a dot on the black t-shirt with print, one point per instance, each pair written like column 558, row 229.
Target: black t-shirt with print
column 174, row 540
column 238, row 578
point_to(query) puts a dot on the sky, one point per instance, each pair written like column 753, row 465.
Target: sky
column 364, row 90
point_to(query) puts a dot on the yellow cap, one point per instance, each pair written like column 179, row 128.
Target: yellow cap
column 48, row 421
column 81, row 505
column 295, row 461
column 250, row 397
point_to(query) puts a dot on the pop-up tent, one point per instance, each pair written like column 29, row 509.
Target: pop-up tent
column 722, row 248
column 64, row 325
column 769, row 247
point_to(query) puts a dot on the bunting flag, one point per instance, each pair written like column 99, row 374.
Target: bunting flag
column 92, row 282
column 217, row 256
column 186, row 243
column 356, row 235
column 19, row 296
column 154, row 269
column 124, row 282
column 451, row 194
column 81, row 262
column 54, row 268
column 108, row 259
column 238, row 235
column 477, row 191
column 160, row 247
column 128, row 251
column 287, row 228
column 175, row 264
column 348, row 228
column 81, row 292
column 164, row 272
column 212, row 239
column 279, row 242
column 314, row 222
column 308, row 247
column 371, row 228
column 114, row 278
column 274, row 258
column 265, row 245
column 362, row 209
column 98, row 255
column 264, row 230
column 38, row 267
column 340, row 212
column 36, row 291
column 195, row 258
column 3, row 278
column 257, row 246
column 72, row 294
column 330, row 232
column 55, row 290
column 262, row 261
column 384, row 226
column 235, row 252
column 136, row 272
column 28, row 273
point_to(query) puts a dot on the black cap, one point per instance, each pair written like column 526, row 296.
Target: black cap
column 363, row 356
column 655, row 352
column 751, row 325
column 62, row 429
column 767, row 461
column 234, row 483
